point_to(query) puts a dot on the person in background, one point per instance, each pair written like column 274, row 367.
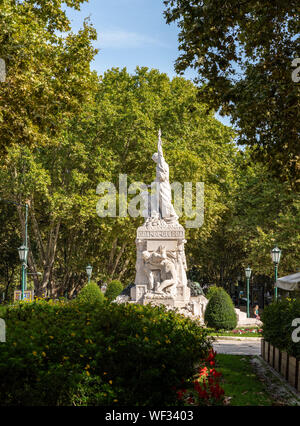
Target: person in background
column 255, row 311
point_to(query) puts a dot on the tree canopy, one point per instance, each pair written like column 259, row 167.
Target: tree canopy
column 64, row 130
column 116, row 132
column 48, row 73
column 243, row 53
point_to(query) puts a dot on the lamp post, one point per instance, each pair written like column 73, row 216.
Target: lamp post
column 89, row 269
column 275, row 254
column 248, row 275
column 23, row 252
column 25, row 244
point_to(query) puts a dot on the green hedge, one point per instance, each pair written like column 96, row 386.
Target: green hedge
column 90, row 293
column 277, row 325
column 114, row 288
column 212, row 290
column 220, row 313
column 101, row 354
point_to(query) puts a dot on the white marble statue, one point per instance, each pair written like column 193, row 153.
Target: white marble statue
column 166, row 209
column 160, row 262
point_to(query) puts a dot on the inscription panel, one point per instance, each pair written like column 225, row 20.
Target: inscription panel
column 160, row 234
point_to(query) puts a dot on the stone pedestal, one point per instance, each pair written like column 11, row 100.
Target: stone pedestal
column 138, row 292
column 161, row 264
column 161, row 269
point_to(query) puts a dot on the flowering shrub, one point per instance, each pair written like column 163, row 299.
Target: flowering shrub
column 206, row 389
column 66, row 353
column 255, row 331
column 247, row 330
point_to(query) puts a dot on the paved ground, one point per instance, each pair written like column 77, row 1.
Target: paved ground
column 235, row 346
column 282, row 393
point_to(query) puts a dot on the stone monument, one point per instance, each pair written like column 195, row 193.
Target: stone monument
column 160, row 261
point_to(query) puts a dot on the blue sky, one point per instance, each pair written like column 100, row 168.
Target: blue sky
column 131, row 33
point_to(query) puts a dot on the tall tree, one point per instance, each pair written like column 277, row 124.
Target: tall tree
column 115, row 133
column 47, row 70
column 243, row 52
column 48, row 80
column 261, row 212
column 10, row 240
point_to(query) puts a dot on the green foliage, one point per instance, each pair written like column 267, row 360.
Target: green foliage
column 90, row 293
column 65, row 353
column 9, row 240
column 113, row 290
column 48, row 74
column 243, row 52
column 118, row 121
column 48, row 82
column 2, row 310
column 261, row 212
column 211, row 291
column 277, row 325
column 220, row 313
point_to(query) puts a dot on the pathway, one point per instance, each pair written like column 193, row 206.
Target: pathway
column 237, row 346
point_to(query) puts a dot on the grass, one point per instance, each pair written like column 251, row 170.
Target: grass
column 240, row 381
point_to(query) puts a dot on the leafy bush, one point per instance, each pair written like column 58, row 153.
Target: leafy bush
column 277, row 325
column 220, row 313
column 90, row 293
column 114, row 288
column 212, row 290
column 70, row 353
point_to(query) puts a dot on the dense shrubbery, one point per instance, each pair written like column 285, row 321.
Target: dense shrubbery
column 220, row 313
column 90, row 293
column 101, row 354
column 113, row 290
column 212, row 290
column 277, row 325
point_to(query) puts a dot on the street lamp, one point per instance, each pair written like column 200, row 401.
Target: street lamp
column 23, row 252
column 248, row 275
column 89, row 269
column 276, row 254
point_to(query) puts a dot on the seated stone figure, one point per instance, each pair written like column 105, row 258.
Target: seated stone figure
column 169, row 285
column 152, row 262
column 159, row 260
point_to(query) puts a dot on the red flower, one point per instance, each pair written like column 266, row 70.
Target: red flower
column 203, row 371
column 211, row 355
column 190, row 400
